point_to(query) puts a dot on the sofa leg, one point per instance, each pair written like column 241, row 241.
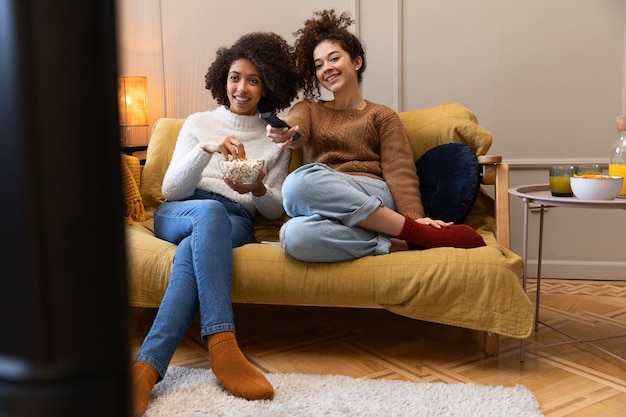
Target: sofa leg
column 492, row 343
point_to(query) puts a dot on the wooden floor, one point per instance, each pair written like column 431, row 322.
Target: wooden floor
column 568, row 380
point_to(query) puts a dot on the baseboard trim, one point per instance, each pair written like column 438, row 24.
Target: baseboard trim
column 588, row 270
column 542, row 163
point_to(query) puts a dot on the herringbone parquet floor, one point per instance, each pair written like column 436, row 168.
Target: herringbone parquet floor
column 567, row 379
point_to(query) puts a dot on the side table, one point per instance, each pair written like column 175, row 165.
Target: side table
column 131, row 149
column 540, row 195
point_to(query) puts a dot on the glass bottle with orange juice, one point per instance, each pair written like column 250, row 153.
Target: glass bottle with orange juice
column 617, row 161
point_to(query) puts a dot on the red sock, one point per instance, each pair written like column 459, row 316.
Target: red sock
column 425, row 236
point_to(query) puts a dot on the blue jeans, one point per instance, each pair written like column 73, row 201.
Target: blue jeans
column 325, row 206
column 205, row 227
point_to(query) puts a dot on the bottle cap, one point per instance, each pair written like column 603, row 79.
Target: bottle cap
column 621, row 122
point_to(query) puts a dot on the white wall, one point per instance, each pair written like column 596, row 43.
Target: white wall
column 547, row 77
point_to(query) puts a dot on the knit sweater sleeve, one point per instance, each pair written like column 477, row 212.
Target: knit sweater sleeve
column 187, row 164
column 398, row 166
column 270, row 204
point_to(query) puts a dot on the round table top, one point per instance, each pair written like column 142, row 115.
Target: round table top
column 540, row 194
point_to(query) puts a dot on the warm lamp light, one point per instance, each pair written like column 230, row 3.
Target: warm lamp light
column 132, row 96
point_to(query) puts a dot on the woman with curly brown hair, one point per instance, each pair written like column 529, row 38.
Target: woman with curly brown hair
column 207, row 214
column 357, row 193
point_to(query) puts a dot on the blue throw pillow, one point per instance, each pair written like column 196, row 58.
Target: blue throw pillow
column 450, row 178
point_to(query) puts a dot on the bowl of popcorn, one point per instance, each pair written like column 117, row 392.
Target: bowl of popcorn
column 596, row 186
column 245, row 171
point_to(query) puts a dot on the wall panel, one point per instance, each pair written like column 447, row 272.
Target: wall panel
column 139, row 39
column 546, row 77
column 379, row 26
column 192, row 34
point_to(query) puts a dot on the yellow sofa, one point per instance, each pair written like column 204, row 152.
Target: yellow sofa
column 477, row 289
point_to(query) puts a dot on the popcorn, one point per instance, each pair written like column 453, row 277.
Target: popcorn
column 244, row 170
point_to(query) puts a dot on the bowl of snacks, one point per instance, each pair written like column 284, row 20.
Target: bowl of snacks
column 244, row 170
column 596, row 186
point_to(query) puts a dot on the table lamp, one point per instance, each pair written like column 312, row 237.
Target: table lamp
column 132, row 98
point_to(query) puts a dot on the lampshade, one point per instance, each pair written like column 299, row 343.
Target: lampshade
column 132, row 98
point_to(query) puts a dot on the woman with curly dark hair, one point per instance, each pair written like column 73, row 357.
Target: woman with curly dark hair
column 267, row 53
column 357, row 193
column 207, row 214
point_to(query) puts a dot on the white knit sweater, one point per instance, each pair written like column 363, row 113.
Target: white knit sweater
column 192, row 168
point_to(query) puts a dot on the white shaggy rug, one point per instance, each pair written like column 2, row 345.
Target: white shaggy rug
column 196, row 392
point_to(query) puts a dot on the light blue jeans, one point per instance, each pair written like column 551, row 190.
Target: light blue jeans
column 325, row 206
column 205, row 227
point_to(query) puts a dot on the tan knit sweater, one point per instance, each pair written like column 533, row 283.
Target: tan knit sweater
column 370, row 142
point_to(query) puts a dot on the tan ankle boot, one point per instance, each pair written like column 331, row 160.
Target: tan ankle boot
column 144, row 377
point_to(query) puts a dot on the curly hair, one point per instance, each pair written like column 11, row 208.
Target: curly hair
column 275, row 60
column 325, row 26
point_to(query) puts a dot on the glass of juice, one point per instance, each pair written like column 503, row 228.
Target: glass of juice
column 588, row 169
column 559, row 180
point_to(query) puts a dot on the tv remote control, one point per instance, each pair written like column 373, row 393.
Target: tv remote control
column 274, row 121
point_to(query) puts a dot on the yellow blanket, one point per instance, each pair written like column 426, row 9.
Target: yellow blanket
column 133, row 204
